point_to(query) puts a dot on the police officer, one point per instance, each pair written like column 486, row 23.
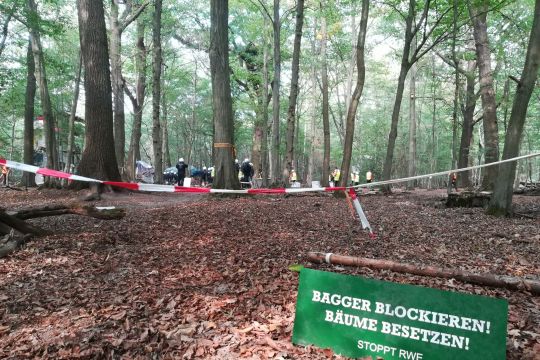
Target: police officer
column 181, row 166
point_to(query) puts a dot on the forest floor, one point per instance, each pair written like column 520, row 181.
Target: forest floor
column 200, row 277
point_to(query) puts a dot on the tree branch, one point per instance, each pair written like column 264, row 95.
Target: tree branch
column 133, row 16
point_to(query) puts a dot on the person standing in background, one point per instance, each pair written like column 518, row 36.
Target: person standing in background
column 181, row 166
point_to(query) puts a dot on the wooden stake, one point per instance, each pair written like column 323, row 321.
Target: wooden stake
column 499, row 281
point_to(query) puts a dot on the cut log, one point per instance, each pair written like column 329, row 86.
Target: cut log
column 499, row 281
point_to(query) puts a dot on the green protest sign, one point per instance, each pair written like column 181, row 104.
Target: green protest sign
column 358, row 317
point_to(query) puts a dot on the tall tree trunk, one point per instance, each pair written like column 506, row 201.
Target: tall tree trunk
column 314, row 113
column 411, row 168
column 117, row 85
column 404, row 69
column 41, row 76
column 264, row 141
column 137, row 101
column 433, row 162
column 165, row 126
column 275, row 169
column 117, row 26
column 325, row 102
column 291, row 113
column 98, row 159
column 72, row 115
column 28, row 152
column 464, row 178
column 478, row 13
column 156, row 93
column 501, row 201
column 225, row 172
column 355, row 99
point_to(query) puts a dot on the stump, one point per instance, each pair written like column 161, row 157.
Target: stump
column 468, row 199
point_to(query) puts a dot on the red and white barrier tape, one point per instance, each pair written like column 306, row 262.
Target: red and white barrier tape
column 181, row 189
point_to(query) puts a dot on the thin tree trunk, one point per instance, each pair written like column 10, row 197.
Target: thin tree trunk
column 468, row 126
column 28, row 152
column 225, row 172
column 41, row 76
column 264, row 140
column 314, row 113
column 72, row 114
column 291, row 113
column 117, row 85
column 404, row 68
column 165, row 127
column 478, row 14
column 325, row 102
column 275, row 168
column 352, row 61
column 501, row 201
column 355, row 99
column 98, row 159
column 134, row 152
column 411, row 168
column 156, row 93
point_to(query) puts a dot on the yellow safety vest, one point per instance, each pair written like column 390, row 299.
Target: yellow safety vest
column 337, row 175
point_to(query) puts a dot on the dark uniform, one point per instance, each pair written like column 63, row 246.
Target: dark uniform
column 181, row 167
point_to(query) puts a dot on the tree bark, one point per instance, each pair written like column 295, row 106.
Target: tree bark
column 30, row 96
column 501, row 201
column 156, row 94
column 325, row 101
column 275, row 168
column 98, row 159
column 478, row 13
column 225, row 172
column 499, row 281
column 291, row 112
column 41, row 76
column 355, row 99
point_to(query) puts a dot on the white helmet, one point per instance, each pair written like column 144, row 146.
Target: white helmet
column 204, row 167
column 181, row 160
column 246, row 160
column 236, row 161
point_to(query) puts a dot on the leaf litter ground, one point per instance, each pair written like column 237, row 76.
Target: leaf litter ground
column 199, row 277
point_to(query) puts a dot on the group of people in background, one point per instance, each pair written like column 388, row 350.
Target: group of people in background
column 246, row 173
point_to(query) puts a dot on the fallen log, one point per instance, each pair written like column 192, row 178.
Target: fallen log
column 499, row 281
column 104, row 213
column 15, row 221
